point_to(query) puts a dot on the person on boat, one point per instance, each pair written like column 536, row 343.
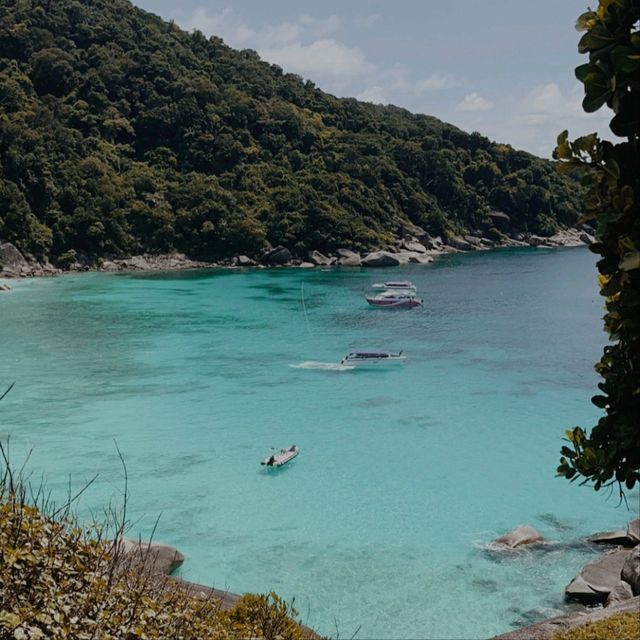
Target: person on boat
column 271, row 461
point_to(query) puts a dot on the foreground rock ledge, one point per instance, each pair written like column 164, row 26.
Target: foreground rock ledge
column 547, row 628
column 158, row 559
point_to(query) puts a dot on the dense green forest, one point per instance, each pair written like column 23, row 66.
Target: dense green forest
column 120, row 133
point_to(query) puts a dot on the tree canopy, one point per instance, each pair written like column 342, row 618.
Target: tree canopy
column 611, row 173
column 121, row 133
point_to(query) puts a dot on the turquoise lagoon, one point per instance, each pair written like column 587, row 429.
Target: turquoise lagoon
column 404, row 474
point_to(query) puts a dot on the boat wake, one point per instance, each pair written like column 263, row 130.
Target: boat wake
column 322, row 366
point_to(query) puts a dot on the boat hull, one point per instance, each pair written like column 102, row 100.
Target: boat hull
column 281, row 458
column 394, row 304
column 373, row 362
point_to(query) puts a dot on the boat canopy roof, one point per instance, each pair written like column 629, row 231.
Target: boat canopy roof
column 370, row 354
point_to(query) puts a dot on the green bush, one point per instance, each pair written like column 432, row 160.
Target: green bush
column 67, row 259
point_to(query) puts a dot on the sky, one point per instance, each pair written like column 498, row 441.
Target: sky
column 504, row 68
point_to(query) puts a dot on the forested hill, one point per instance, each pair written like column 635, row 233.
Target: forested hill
column 121, row 133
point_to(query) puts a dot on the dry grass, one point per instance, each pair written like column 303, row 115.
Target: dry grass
column 619, row 626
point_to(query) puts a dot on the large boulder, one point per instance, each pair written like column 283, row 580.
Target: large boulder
column 244, row 261
column 11, row 260
column 628, row 538
column 475, row 242
column 279, row 255
column 587, row 238
column 566, row 238
column 597, row 578
column 413, row 245
column 631, row 570
column 537, row 241
column 435, row 243
column 137, row 263
column 381, row 259
column 620, row 592
column 320, row 259
column 459, row 243
column 420, row 258
column 152, row 557
column 347, row 253
column 633, row 531
column 522, row 536
column 351, row 261
column 500, row 220
column 610, row 537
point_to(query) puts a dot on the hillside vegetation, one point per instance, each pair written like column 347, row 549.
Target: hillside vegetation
column 121, row 133
column 59, row 580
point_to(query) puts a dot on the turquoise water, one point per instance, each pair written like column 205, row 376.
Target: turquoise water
column 403, row 473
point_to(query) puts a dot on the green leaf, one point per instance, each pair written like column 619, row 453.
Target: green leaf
column 630, row 261
column 592, row 102
column 600, row 401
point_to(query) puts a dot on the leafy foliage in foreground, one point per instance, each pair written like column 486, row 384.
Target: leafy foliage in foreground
column 620, row 626
column 611, row 174
column 58, row 580
column 120, row 133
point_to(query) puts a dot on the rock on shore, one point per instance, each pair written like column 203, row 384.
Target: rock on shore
column 597, row 578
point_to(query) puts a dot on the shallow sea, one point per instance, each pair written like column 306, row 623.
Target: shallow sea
column 404, row 473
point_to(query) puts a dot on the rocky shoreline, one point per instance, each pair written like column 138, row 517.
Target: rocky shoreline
column 611, row 582
column 414, row 246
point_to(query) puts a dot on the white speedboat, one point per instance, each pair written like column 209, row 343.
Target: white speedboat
column 394, row 299
column 282, row 457
column 397, row 285
column 372, row 358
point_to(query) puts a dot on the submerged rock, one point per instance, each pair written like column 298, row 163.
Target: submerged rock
column 523, row 535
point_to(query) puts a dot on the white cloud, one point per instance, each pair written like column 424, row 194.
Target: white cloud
column 300, row 46
column 375, row 95
column 204, row 21
column 279, row 34
column 474, row 102
column 547, row 104
column 320, row 27
column 436, row 82
column 367, row 21
column 322, row 57
column 532, row 120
